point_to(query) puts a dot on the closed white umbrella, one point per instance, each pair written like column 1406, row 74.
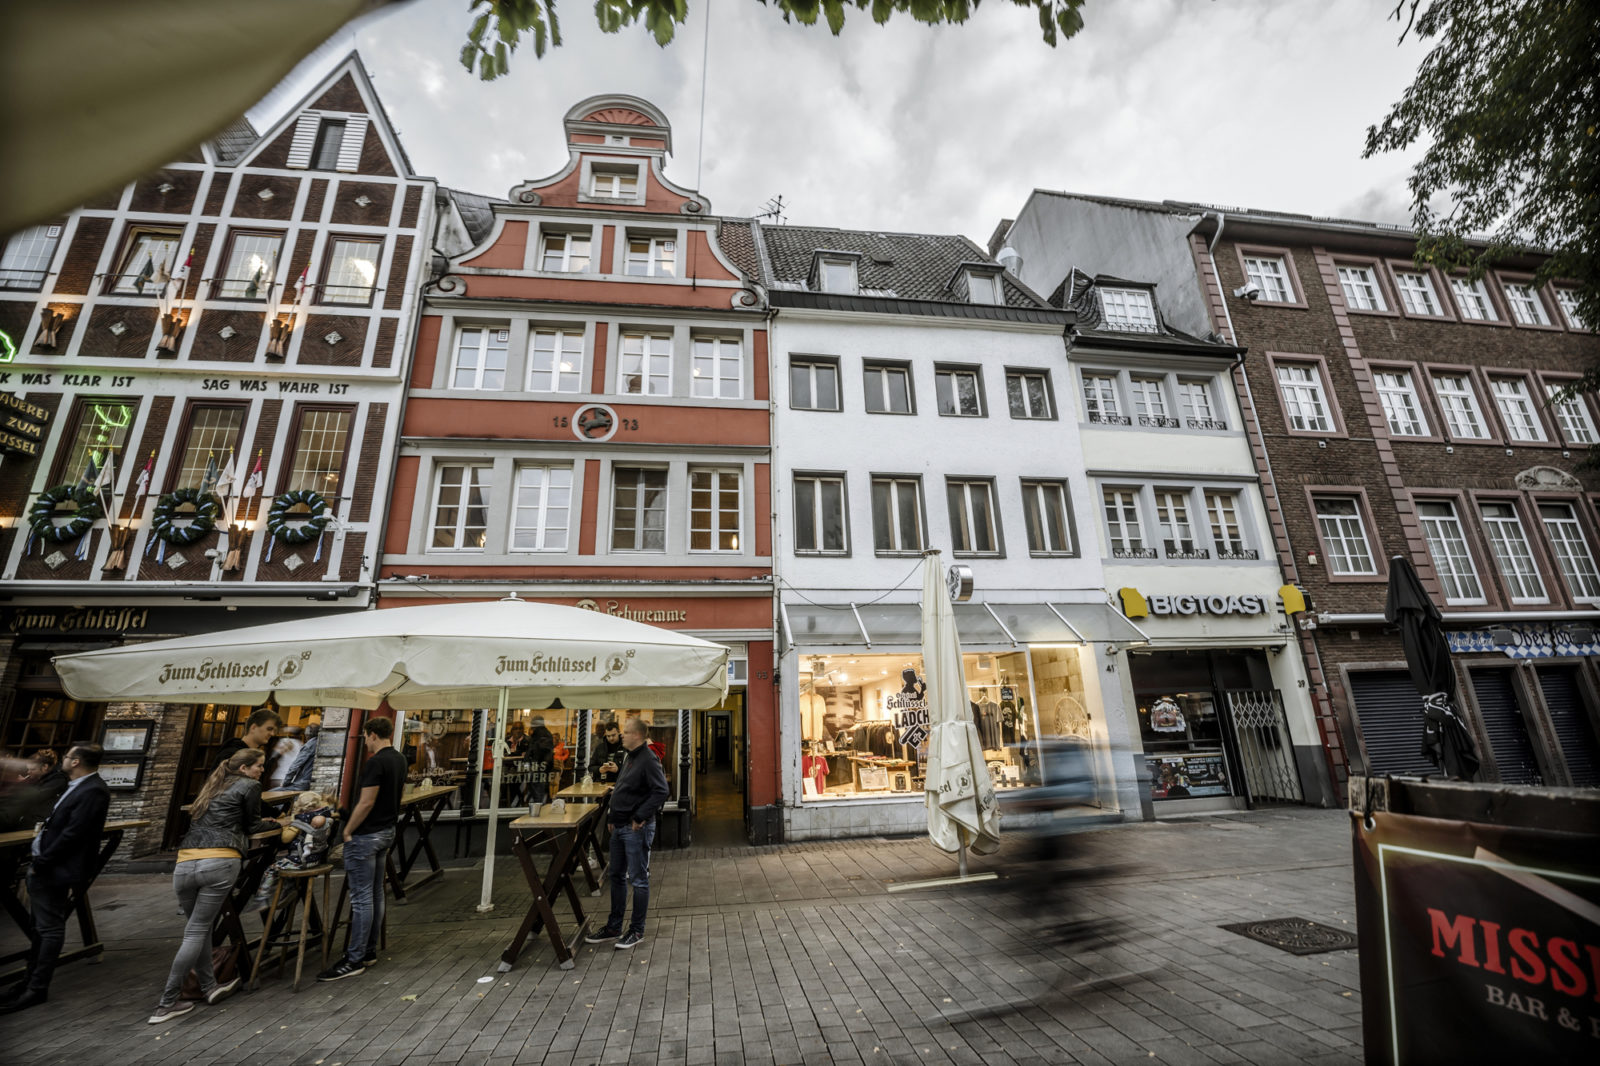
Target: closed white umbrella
column 962, row 812
column 511, row 653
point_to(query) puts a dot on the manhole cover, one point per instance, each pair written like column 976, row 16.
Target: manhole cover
column 1297, row 936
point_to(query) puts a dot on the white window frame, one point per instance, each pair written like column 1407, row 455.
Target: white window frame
column 29, row 252
column 1175, row 525
column 1574, row 556
column 1128, row 310
column 554, row 479
column 243, row 245
column 1194, row 395
column 1270, row 273
column 1572, row 416
column 891, row 484
column 341, row 272
column 143, row 245
column 651, row 364
column 1119, row 507
column 1362, row 290
column 953, row 374
column 569, row 259
column 818, row 516
column 501, row 336
column 1513, row 553
column 1527, row 309
column 657, row 259
column 717, row 478
column 1402, row 407
column 1038, row 496
column 1225, row 517
column 1340, row 533
column 471, row 474
column 1149, row 395
column 1451, row 554
column 1416, row 286
column 959, row 497
column 1305, row 397
column 984, row 288
column 875, row 378
column 1567, row 300
column 1515, row 403
column 609, row 181
column 1459, row 404
column 1102, row 399
column 709, row 352
column 828, row 271
column 640, row 530
column 813, row 367
column 1017, row 389
column 556, row 378
column 1472, row 300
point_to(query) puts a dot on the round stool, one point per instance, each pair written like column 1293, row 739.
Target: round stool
column 304, row 885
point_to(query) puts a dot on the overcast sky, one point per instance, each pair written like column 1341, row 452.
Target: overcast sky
column 1259, row 103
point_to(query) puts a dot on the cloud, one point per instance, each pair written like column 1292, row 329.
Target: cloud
column 938, row 129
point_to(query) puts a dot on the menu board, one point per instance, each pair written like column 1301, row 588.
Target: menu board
column 1187, row 776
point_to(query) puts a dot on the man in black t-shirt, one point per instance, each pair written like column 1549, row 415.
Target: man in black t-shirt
column 368, row 836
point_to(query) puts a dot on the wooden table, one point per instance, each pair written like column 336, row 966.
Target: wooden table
column 561, row 834
column 16, row 851
column 279, row 795
column 413, row 804
column 600, row 792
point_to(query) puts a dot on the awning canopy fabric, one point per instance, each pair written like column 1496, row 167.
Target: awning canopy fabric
column 809, row 625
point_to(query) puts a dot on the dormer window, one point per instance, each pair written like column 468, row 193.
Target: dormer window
column 327, row 142
column 1128, row 309
column 614, row 183
column 983, row 288
column 837, row 275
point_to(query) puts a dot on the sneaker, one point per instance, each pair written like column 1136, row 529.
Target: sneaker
column 222, row 991
column 370, row 960
column 340, row 970
column 631, row 940
column 166, row 1012
column 604, row 936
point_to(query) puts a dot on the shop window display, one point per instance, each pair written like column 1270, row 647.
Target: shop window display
column 864, row 736
column 1188, row 746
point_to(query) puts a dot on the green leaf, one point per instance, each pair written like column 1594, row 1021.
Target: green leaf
column 835, row 12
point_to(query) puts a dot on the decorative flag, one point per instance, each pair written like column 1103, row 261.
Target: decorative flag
column 145, row 275
column 91, row 473
column 181, row 275
column 257, row 479
column 168, row 284
column 145, row 475
column 208, row 481
column 251, row 289
column 300, row 286
column 226, row 477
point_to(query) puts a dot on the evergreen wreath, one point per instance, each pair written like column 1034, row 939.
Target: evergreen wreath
column 316, row 521
column 41, row 516
column 207, row 506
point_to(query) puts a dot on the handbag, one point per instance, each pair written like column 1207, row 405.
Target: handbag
column 224, row 965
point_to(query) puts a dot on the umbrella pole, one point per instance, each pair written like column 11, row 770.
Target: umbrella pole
column 486, row 903
column 963, row 859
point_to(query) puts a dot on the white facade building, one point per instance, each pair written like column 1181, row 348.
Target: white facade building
column 918, row 397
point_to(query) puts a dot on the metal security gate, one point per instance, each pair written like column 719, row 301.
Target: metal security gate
column 1266, row 755
column 1570, row 718
column 1389, row 713
column 1508, row 733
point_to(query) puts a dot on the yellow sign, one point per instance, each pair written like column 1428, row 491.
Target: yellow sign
column 1133, row 604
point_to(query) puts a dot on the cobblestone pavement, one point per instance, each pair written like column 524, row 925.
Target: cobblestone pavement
column 793, row 954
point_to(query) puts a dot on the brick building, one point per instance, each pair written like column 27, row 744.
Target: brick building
column 587, row 424
column 1393, row 410
column 280, row 342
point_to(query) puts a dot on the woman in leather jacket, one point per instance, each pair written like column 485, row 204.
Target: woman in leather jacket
column 222, row 818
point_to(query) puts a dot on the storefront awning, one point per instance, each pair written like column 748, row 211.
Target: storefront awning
column 809, row 625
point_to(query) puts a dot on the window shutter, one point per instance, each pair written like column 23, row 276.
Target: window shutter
column 305, row 136
column 355, row 135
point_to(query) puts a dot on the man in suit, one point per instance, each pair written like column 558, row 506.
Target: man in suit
column 65, row 857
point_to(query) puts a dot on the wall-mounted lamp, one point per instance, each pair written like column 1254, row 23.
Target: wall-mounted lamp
column 278, row 333
column 117, row 558
column 171, row 332
column 238, row 544
column 50, row 323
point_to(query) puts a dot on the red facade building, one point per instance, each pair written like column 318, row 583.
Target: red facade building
column 587, row 424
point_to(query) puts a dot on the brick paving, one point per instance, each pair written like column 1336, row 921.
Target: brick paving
column 793, row 954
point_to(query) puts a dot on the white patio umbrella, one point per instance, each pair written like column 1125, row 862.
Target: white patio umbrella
column 962, row 812
column 455, row 655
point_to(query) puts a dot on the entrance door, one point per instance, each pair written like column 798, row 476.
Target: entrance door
column 719, row 799
column 1573, row 725
column 1508, row 733
column 1261, row 733
column 211, row 725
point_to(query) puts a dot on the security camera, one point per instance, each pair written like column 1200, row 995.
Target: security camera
column 1249, row 290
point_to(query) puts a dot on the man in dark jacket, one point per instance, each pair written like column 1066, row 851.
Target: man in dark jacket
column 608, row 750
column 66, row 856
column 640, row 791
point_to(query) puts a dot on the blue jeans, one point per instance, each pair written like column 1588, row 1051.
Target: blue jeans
column 630, row 865
column 202, row 885
column 51, row 908
column 364, row 856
